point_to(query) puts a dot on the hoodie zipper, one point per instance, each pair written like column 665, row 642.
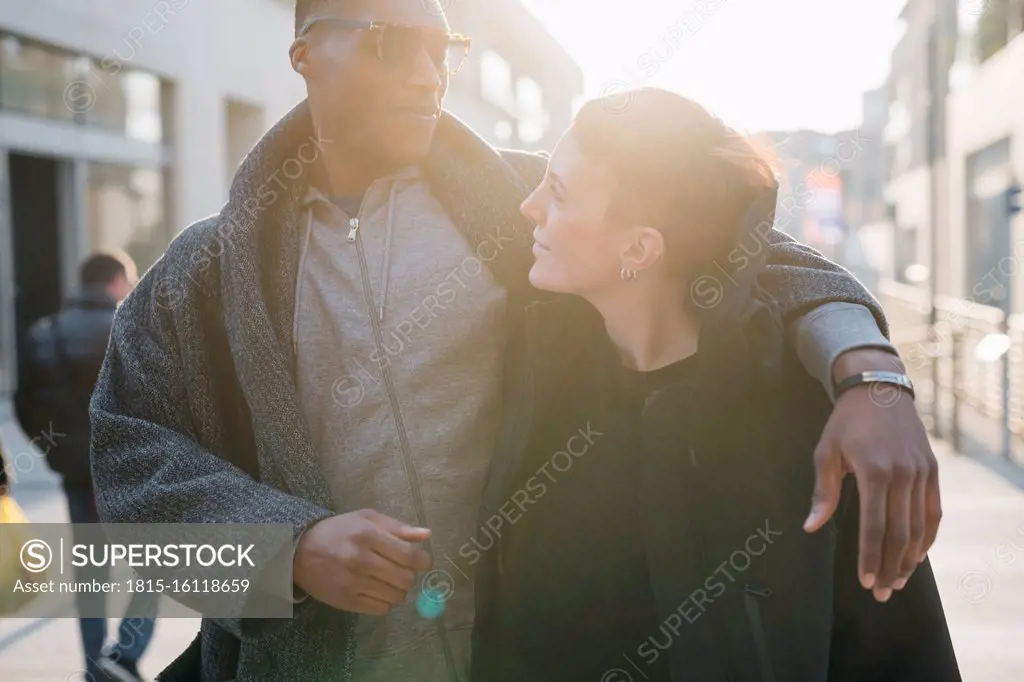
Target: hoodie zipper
column 406, row 450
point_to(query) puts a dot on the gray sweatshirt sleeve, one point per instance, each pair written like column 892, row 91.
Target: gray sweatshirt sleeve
column 828, row 331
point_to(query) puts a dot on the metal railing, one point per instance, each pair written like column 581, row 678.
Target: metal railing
column 975, row 353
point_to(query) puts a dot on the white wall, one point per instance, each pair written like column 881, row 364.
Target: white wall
column 984, row 110
column 909, row 192
column 209, row 49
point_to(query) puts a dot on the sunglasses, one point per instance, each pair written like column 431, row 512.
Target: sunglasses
column 399, row 45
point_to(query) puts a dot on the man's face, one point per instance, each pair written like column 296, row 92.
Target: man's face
column 390, row 107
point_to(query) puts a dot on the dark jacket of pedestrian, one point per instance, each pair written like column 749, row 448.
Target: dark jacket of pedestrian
column 649, row 525
column 64, row 354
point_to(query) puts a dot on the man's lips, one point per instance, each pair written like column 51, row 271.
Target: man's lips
column 538, row 247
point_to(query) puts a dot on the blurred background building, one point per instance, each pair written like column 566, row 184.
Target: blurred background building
column 122, row 122
column 948, row 248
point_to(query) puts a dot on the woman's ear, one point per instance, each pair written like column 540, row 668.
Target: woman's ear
column 646, row 247
column 299, row 53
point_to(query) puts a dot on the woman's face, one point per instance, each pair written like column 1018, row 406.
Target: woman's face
column 577, row 248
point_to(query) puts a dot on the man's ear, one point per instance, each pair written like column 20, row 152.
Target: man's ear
column 300, row 54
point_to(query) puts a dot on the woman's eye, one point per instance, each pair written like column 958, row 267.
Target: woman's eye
column 555, row 193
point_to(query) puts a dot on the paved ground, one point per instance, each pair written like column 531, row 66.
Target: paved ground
column 49, row 650
column 978, row 560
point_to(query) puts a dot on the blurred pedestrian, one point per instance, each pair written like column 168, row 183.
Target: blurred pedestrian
column 3, row 472
column 62, row 361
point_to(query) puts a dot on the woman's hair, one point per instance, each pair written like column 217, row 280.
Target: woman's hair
column 678, row 169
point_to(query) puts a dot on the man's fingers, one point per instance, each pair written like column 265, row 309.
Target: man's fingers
column 918, row 523
column 403, row 553
column 389, row 572
column 369, row 606
column 396, row 527
column 828, row 484
column 897, row 531
column 412, row 534
column 370, row 586
column 932, row 509
column 873, row 488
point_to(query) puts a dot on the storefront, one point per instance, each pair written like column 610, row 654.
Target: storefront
column 84, row 156
column 120, row 124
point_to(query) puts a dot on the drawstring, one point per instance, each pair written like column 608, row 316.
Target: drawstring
column 385, row 276
column 298, row 280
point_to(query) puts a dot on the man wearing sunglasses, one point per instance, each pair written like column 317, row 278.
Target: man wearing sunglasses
column 327, row 352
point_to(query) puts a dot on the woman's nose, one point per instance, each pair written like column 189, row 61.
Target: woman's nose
column 530, row 209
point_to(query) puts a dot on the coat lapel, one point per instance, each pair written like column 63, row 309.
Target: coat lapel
column 481, row 193
column 258, row 290
column 552, row 342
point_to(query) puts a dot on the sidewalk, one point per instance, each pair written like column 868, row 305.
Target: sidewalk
column 50, row 650
column 978, row 561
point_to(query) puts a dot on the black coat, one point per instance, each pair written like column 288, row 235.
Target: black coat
column 795, row 612
column 62, row 360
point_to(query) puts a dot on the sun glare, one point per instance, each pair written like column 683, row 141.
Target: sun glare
column 785, row 64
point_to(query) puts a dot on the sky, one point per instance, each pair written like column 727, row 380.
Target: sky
column 758, row 64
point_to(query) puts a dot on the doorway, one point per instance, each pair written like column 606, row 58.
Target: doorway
column 36, row 235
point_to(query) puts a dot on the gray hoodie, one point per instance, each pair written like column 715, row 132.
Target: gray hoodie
column 413, row 444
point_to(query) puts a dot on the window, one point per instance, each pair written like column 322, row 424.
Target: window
column 126, row 101
column 49, row 83
column 496, row 79
column 533, row 118
column 899, row 122
column 125, row 209
column 502, row 131
column 999, row 22
column 36, row 80
column 988, row 233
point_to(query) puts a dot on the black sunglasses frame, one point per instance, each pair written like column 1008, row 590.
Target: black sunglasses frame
column 380, row 27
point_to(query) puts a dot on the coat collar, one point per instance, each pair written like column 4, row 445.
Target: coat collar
column 478, row 189
column 94, row 297
column 743, row 341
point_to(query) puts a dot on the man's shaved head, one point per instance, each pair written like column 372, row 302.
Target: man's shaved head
column 365, row 9
column 380, row 99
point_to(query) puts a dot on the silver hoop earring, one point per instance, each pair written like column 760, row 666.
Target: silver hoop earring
column 627, row 275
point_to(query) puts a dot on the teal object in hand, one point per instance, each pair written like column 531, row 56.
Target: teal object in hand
column 430, row 603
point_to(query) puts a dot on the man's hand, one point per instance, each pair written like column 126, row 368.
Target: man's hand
column 876, row 434
column 362, row 561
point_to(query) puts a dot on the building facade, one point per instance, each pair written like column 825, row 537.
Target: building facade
column 986, row 154
column 519, row 85
column 810, row 165
column 122, row 122
column 915, row 192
